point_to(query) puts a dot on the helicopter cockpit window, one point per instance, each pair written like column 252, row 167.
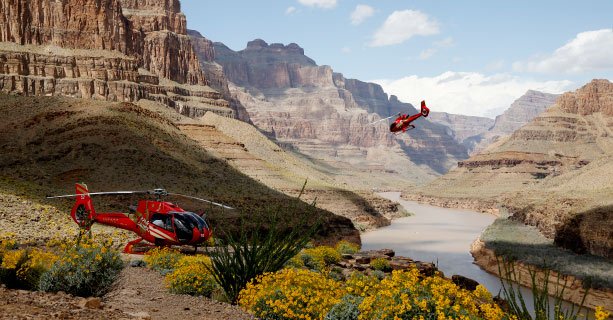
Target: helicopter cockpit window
column 184, row 226
column 162, row 221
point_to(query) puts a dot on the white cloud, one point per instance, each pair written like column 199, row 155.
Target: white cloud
column 325, row 4
column 589, row 51
column 426, row 54
column 346, row 50
column 445, row 43
column 467, row 93
column 361, row 13
column 290, row 10
column 400, row 26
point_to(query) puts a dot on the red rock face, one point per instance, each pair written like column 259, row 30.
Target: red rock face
column 596, row 96
column 318, row 111
column 116, row 50
column 83, row 24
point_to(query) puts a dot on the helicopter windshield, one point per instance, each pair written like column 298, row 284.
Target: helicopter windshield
column 185, row 222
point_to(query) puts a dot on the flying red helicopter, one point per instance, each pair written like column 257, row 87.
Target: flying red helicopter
column 158, row 222
column 403, row 122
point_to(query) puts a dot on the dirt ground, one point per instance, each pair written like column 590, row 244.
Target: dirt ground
column 139, row 295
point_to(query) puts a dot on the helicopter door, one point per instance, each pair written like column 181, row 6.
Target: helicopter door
column 183, row 227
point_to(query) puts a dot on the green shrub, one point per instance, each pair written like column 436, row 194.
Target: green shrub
column 347, row 309
column 381, row 264
column 163, row 260
column 346, row 247
column 84, row 270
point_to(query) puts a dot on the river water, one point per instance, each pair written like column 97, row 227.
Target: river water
column 434, row 234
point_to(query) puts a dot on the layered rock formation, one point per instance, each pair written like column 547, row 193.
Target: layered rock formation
column 521, row 112
column 463, row 127
column 325, row 116
column 105, row 50
column 215, row 73
column 553, row 173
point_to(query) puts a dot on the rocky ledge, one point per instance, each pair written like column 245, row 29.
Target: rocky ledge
column 573, row 291
column 361, row 261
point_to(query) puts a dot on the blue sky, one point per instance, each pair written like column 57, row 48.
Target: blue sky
column 468, row 57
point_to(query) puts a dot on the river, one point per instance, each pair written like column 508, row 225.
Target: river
column 434, row 234
column 442, row 236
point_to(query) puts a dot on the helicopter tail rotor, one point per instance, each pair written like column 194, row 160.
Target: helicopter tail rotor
column 83, row 212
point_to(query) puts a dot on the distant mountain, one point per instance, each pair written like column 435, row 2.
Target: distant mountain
column 522, row 111
column 462, row 126
column 326, row 117
column 554, row 173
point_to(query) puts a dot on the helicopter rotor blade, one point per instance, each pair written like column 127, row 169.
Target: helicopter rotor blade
column 203, row 200
column 384, row 119
column 98, row 193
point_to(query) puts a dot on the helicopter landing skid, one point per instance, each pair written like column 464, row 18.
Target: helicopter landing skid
column 136, row 247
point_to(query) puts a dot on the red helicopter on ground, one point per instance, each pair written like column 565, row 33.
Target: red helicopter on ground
column 158, row 222
column 403, row 122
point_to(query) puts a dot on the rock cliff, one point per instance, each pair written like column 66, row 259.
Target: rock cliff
column 105, row 50
column 216, row 77
column 521, row 112
column 326, row 116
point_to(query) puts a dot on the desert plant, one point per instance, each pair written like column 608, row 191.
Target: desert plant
column 162, row 259
column 346, row 309
column 543, row 308
column 346, row 247
column 380, row 264
column 191, row 277
column 87, row 269
column 22, row 268
column 265, row 248
column 291, row 294
column 248, row 255
column 319, row 258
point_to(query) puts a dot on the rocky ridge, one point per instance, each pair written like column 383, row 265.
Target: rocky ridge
column 462, row 127
column 521, row 112
column 325, row 116
column 104, row 50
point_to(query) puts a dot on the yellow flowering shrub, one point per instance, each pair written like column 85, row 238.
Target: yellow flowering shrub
column 404, row 295
column 601, row 314
column 89, row 268
column 191, row 276
column 381, row 264
column 162, row 259
column 291, row 294
column 22, row 268
column 317, row 258
column 359, row 284
column 346, row 247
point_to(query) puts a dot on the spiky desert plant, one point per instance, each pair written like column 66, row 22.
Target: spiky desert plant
column 265, row 248
column 543, row 308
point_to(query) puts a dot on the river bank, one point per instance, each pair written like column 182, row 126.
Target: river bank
column 573, row 287
column 486, row 261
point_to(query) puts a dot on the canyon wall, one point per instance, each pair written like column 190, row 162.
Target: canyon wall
column 325, row 116
column 105, row 50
